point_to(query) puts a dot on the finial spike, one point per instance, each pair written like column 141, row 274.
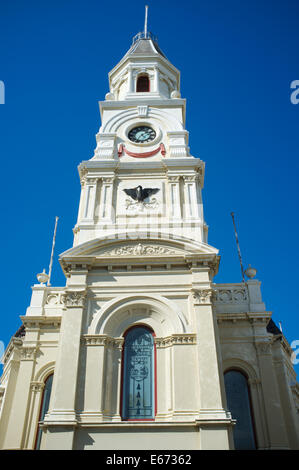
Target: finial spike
column 145, row 21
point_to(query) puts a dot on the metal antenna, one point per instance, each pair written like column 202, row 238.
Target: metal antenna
column 52, row 253
column 145, row 22
column 238, row 246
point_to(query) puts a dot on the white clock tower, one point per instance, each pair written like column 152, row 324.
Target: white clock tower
column 129, row 354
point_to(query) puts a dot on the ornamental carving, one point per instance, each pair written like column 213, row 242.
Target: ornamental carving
column 54, row 298
column 233, row 295
column 37, row 386
column 202, row 296
column 263, row 347
column 28, row 353
column 141, row 250
column 74, row 299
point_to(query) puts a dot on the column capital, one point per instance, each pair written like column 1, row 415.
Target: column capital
column 74, row 299
column 202, row 296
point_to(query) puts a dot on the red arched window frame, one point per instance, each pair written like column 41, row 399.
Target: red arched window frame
column 122, row 372
column 143, row 84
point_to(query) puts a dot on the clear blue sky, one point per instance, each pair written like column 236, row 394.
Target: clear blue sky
column 237, row 60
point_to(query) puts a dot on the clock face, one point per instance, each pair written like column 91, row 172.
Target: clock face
column 142, row 134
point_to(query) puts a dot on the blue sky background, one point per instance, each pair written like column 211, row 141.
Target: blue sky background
column 237, row 60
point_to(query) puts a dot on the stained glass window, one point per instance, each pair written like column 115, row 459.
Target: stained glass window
column 138, row 394
column 238, row 402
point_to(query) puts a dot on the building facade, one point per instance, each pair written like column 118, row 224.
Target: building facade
column 141, row 349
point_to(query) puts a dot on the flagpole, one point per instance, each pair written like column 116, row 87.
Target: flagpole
column 52, row 252
column 145, row 22
column 238, row 247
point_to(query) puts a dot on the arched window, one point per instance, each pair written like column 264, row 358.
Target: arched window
column 44, row 407
column 138, row 401
column 143, row 83
column 238, row 402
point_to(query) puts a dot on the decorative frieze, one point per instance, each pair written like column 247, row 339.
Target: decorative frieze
column 140, row 250
column 54, row 299
column 230, row 295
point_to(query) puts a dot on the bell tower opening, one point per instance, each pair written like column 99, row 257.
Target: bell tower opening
column 143, row 83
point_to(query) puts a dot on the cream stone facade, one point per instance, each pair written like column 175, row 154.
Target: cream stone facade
column 144, row 263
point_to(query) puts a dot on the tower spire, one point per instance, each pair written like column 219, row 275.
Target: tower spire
column 145, row 21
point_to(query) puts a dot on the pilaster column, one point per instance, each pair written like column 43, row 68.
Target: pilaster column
column 112, row 384
column 156, row 80
column 90, row 199
column 211, row 412
column 62, row 409
column 130, row 80
column 190, row 197
column 210, row 384
column 174, row 197
column 274, row 416
column 20, row 405
column 107, row 208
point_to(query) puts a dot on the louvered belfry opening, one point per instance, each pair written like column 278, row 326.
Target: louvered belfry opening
column 143, row 84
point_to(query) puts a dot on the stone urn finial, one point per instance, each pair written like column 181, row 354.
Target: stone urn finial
column 250, row 272
column 42, row 277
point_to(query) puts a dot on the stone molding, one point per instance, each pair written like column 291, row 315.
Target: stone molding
column 176, row 339
column 117, row 343
column 102, row 340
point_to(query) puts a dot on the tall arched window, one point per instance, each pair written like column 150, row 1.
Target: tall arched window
column 143, row 83
column 44, row 408
column 238, row 402
column 138, row 400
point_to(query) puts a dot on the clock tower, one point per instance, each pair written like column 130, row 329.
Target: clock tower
column 141, row 349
